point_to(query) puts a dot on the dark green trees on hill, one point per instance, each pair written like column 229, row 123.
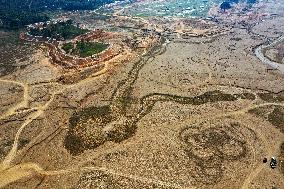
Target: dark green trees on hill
column 14, row 19
column 15, row 14
column 61, row 30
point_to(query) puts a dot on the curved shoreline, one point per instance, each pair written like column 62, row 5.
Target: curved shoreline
column 264, row 60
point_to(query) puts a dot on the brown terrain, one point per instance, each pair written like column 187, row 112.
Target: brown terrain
column 176, row 103
column 276, row 53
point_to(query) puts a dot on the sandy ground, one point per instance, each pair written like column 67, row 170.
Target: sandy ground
column 189, row 114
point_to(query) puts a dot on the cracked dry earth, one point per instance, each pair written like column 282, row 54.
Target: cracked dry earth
column 184, row 115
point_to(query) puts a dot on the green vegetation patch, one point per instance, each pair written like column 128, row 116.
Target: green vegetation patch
column 15, row 14
column 15, row 19
column 67, row 47
column 61, row 30
column 85, row 49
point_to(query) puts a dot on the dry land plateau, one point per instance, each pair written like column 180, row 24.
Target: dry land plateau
column 144, row 102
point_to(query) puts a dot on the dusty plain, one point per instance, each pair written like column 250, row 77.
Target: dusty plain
column 194, row 109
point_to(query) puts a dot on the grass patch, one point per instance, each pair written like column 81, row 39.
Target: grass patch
column 85, row 49
column 67, row 47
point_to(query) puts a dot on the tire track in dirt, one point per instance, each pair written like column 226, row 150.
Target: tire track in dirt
column 11, row 173
column 22, row 104
column 19, row 171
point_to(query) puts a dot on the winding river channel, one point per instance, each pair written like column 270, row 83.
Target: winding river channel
column 259, row 54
